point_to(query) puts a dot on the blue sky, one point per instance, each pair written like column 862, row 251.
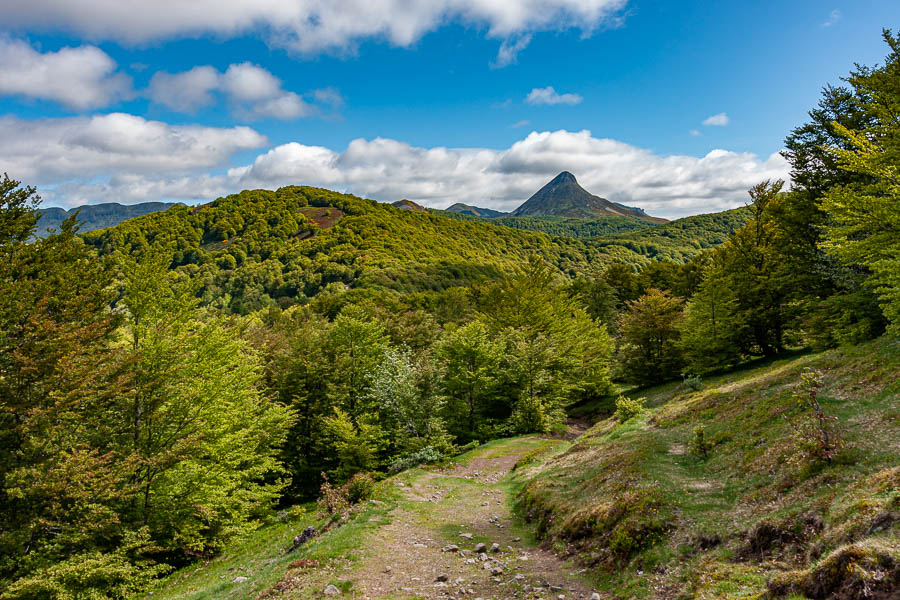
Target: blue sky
column 417, row 103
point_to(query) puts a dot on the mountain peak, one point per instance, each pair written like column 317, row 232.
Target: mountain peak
column 564, row 177
column 564, row 197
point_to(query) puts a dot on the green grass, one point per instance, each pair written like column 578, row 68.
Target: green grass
column 261, row 556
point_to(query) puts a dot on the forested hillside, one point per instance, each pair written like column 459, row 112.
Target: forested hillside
column 260, row 248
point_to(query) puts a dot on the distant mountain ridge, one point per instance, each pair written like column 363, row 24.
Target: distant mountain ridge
column 475, row 211
column 564, row 197
column 96, row 216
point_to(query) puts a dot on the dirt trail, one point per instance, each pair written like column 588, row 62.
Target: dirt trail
column 413, row 556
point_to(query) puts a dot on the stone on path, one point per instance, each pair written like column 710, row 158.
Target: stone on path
column 480, row 547
column 332, row 591
column 495, row 547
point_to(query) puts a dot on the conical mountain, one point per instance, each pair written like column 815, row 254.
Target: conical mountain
column 564, row 197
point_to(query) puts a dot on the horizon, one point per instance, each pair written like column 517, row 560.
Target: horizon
column 676, row 109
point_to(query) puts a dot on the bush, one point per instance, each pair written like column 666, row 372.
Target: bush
column 814, row 430
column 426, row 455
column 699, row 445
column 360, row 487
column 692, row 382
column 626, row 408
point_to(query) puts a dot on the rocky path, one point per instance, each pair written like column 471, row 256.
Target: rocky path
column 452, row 535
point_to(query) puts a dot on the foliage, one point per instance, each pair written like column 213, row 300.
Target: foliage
column 865, row 215
column 470, row 359
column 628, row 408
column 422, row 456
column 94, row 575
column 338, row 499
column 360, row 487
column 692, row 382
column 559, row 226
column 712, row 331
column 648, row 350
column 332, row 499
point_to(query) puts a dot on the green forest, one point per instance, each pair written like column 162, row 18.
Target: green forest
column 169, row 384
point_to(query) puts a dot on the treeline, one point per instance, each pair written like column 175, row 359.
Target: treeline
column 818, row 265
column 559, row 226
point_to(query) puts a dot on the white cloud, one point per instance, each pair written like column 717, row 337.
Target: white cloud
column 719, row 120
column 389, row 170
column 246, row 82
column 81, row 78
column 53, row 151
column 184, row 92
column 329, row 96
column 833, row 17
column 522, row 123
column 384, row 169
column 307, row 26
column 695, row 132
column 548, row 95
column 509, row 51
column 252, row 91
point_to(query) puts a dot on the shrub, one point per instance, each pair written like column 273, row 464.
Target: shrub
column 335, row 500
column 627, row 408
column 359, row 488
column 692, row 382
column 332, row 499
column 814, row 430
column 699, row 445
column 426, row 455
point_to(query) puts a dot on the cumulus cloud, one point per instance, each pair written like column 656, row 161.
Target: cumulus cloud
column 80, row 78
column 389, row 170
column 549, row 96
column 719, row 120
column 308, row 26
column 54, row 151
column 95, row 162
column 184, row 92
column 252, row 91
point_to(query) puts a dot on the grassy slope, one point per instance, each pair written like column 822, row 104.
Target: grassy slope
column 654, row 521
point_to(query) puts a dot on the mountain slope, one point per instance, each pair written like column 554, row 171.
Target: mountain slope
column 97, row 216
column 474, row 211
column 564, row 197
